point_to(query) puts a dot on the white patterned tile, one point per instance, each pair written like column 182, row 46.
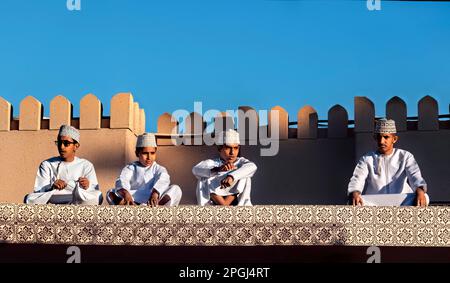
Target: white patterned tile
column 364, row 215
column 205, row 235
column 284, row 214
column 244, row 215
column 384, row 235
column 224, row 215
column 443, row 236
column 364, row 235
column 404, row 236
column 65, row 234
column 144, row 236
column 425, row 216
column 385, row 216
column 304, row 235
column 264, row 215
column 324, row 235
column 25, row 213
column 164, row 215
column 46, row 213
column 264, row 235
column 204, row 215
column 185, row 236
column 185, row 215
column 405, row 215
column 245, row 236
column 344, row 236
column 164, row 235
column 7, row 212
column 6, row 233
column 304, row 214
column 344, row 215
column 426, row 236
column 324, row 215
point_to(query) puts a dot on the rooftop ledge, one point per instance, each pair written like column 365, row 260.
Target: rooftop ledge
column 282, row 225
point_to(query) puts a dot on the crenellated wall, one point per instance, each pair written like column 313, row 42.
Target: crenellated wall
column 313, row 165
column 316, row 158
column 108, row 142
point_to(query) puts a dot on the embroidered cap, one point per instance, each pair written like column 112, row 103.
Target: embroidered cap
column 229, row 137
column 146, row 140
column 69, row 131
column 385, row 126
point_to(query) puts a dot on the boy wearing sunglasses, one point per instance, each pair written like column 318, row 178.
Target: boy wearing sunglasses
column 66, row 179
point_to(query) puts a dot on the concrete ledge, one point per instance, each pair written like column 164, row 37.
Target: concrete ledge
column 226, row 226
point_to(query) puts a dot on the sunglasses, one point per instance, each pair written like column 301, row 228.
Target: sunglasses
column 65, row 143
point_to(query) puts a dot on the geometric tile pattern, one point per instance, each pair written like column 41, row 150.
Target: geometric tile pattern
column 212, row 225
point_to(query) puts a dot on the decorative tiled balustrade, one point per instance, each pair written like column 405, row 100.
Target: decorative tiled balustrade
column 217, row 226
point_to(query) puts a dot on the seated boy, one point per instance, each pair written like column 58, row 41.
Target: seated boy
column 388, row 176
column 66, row 179
column 144, row 181
column 225, row 180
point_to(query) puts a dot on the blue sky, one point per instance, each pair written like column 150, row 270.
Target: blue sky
column 226, row 53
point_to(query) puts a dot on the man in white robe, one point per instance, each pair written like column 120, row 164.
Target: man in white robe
column 388, row 176
column 225, row 180
column 144, row 181
column 66, row 179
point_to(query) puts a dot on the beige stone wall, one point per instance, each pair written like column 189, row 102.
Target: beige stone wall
column 23, row 151
column 109, row 146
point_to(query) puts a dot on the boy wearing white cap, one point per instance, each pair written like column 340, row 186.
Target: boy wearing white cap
column 144, row 181
column 225, row 180
column 66, row 179
column 387, row 171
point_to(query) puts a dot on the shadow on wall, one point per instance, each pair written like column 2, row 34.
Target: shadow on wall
column 303, row 172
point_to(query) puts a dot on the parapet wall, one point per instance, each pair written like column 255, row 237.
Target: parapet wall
column 313, row 165
column 225, row 226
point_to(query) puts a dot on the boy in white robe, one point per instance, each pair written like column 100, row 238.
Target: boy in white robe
column 144, row 181
column 66, row 179
column 388, row 176
column 225, row 180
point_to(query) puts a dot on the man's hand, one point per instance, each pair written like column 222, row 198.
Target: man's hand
column 84, row 182
column 154, row 199
column 227, row 167
column 228, row 181
column 421, row 200
column 59, row 185
column 127, row 198
column 224, row 168
column 356, row 198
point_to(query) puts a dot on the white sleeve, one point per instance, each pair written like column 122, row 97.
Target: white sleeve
column 162, row 181
column 359, row 177
column 413, row 173
column 123, row 182
column 43, row 182
column 89, row 173
column 203, row 169
column 247, row 170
